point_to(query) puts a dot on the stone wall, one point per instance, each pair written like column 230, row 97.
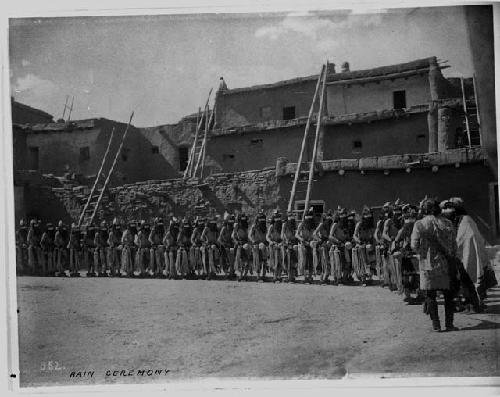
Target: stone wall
column 246, row 191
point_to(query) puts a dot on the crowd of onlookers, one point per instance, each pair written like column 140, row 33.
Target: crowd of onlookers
column 415, row 250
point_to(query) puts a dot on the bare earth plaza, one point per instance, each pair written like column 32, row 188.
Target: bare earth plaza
column 308, row 210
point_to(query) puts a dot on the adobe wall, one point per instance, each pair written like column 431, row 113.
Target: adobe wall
column 241, row 108
column 260, row 149
column 360, row 98
column 255, row 150
column 34, row 197
column 169, row 138
column 353, row 189
column 379, row 138
column 23, row 114
column 479, row 19
column 59, row 151
column 19, row 149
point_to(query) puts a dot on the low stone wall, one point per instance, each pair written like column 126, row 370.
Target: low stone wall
column 246, row 191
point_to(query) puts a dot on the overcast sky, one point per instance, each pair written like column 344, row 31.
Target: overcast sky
column 163, row 66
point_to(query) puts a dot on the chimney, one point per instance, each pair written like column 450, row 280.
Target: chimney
column 345, row 67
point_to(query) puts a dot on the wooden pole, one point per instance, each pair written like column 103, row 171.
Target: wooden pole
column 97, row 178
column 204, row 147
column 71, row 108
column 318, row 128
column 106, row 182
column 304, row 141
column 201, row 156
column 465, row 110
column 65, row 106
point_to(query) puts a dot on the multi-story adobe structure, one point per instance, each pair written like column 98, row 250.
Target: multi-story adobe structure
column 383, row 111
column 388, row 132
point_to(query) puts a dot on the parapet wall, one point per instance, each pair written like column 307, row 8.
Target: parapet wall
column 454, row 157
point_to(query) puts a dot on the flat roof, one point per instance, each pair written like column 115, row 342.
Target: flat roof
column 419, row 65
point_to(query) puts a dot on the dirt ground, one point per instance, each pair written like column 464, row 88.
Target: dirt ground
column 226, row 329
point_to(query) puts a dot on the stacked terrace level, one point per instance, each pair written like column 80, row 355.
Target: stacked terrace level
column 405, row 108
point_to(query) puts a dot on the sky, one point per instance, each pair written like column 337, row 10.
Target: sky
column 162, row 66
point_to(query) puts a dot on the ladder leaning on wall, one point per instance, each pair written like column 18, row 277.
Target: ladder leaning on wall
column 90, row 208
column 301, row 163
column 197, row 154
column 471, row 119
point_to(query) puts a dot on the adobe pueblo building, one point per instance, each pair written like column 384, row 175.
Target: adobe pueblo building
column 399, row 131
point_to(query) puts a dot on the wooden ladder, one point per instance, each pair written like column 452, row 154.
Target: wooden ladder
column 471, row 115
column 299, row 173
column 90, row 210
column 197, row 147
column 200, row 161
column 100, row 173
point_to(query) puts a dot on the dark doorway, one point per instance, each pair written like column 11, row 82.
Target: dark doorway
column 183, row 158
column 318, row 207
column 289, row 113
column 33, row 157
column 399, row 98
column 84, row 153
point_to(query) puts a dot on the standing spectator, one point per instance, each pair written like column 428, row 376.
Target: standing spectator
column 21, row 248
column 433, row 239
column 471, row 249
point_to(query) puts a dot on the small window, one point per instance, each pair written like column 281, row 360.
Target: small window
column 155, row 150
column 289, row 113
column 399, row 99
column 226, row 156
column 33, row 159
column 265, row 112
column 357, row 146
column 420, row 137
column 183, row 157
column 84, row 153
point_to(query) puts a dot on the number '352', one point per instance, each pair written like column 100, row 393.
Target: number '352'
column 51, row 366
